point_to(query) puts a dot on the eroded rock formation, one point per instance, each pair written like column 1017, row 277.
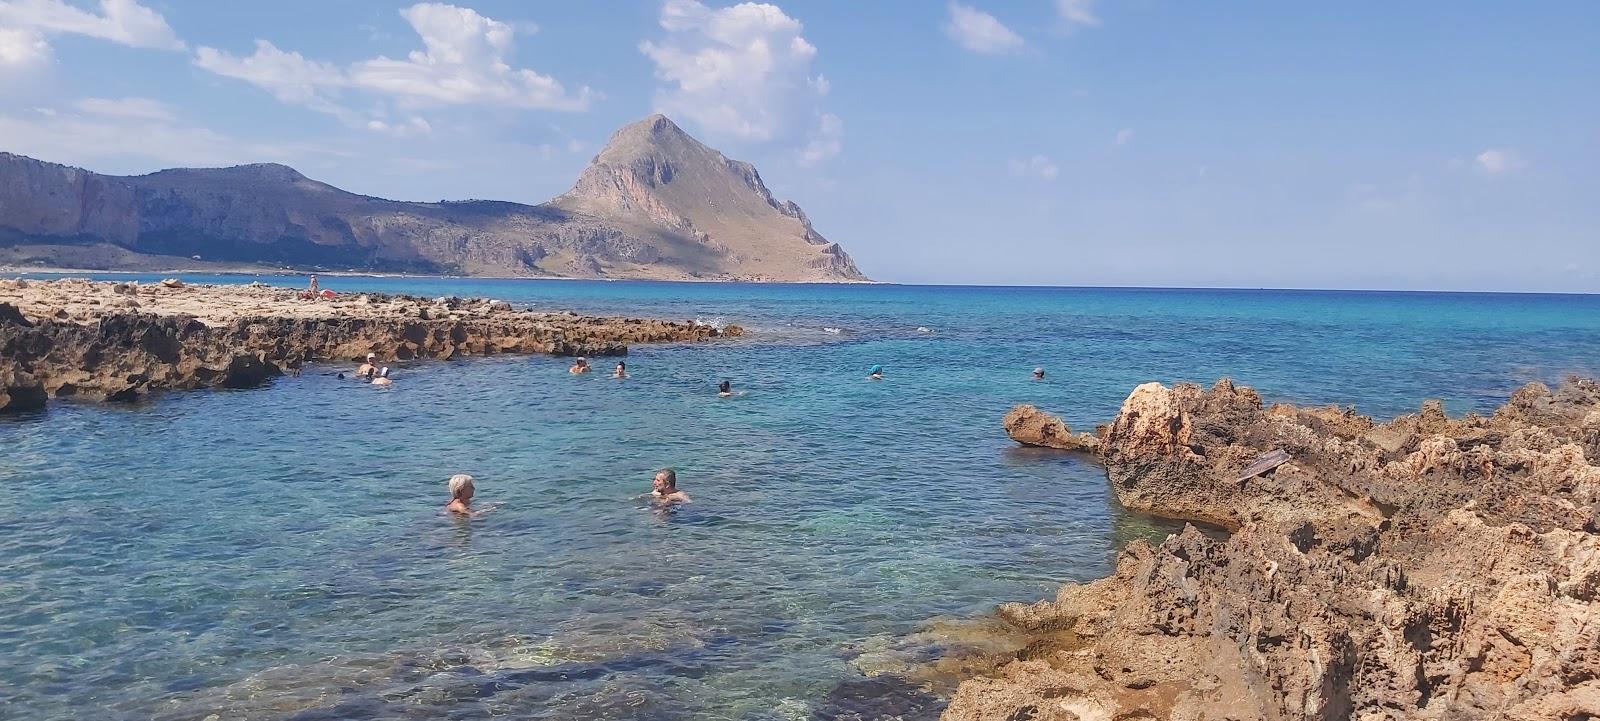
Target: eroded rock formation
column 1425, row 568
column 117, row 341
column 1030, row 426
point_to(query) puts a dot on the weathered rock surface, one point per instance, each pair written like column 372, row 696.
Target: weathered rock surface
column 1030, row 426
column 655, row 203
column 1425, row 568
column 69, row 337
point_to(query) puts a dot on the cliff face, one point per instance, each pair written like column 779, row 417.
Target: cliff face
column 654, row 204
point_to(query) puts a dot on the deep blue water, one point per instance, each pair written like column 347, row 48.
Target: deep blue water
column 279, row 553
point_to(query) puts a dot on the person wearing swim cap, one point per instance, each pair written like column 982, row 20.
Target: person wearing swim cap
column 875, row 373
column 581, row 365
column 1038, row 374
column 368, row 368
column 383, row 378
column 725, row 389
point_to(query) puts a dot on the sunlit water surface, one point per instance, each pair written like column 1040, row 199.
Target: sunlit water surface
column 279, row 553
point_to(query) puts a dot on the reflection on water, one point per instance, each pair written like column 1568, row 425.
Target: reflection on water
column 281, row 553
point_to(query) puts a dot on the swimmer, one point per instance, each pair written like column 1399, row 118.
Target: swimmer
column 725, row 390
column 665, row 487
column 460, row 494
column 383, row 378
column 875, row 373
column 366, row 369
column 622, row 370
column 1038, row 374
column 581, row 365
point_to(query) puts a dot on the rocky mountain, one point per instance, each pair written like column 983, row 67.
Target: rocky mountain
column 655, row 203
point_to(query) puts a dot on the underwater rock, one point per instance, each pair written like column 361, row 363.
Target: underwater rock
column 1428, row 567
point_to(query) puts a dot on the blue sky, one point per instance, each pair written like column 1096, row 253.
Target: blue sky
column 1423, row 145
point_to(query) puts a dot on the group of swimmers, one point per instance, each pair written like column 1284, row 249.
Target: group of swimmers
column 581, row 365
column 370, row 372
column 663, row 490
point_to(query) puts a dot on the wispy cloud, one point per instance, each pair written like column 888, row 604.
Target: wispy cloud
column 980, row 32
column 1496, row 161
column 136, row 108
column 1123, row 136
column 1077, row 12
column 27, row 25
column 1038, row 166
column 463, row 62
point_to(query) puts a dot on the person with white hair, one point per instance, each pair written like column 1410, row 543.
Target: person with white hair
column 460, row 494
column 581, row 365
column 1038, row 374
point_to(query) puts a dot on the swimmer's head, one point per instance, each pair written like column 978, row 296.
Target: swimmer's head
column 621, row 366
column 461, row 487
column 1038, row 373
column 725, row 387
column 372, row 356
column 876, row 370
column 666, row 481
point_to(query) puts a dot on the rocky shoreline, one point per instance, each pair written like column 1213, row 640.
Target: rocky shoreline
column 1425, row 568
column 119, row 341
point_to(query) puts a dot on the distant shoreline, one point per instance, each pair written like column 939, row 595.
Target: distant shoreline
column 251, row 271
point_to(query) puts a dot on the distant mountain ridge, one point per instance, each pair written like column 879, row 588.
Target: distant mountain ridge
column 654, row 203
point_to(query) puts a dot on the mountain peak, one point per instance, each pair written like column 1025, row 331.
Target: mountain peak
column 653, row 136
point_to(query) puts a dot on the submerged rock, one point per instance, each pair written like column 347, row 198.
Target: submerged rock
column 1428, row 567
column 1032, row 427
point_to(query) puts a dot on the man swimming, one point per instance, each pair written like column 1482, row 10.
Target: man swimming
column 1038, row 374
column 725, row 390
column 383, row 378
column 665, row 487
column 368, row 368
column 460, row 494
column 581, row 365
column 875, row 373
column 622, row 370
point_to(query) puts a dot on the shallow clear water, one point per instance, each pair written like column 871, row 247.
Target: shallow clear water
column 279, row 552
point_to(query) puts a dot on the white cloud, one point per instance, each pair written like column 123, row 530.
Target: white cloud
column 980, row 32
column 1077, row 12
column 22, row 48
column 741, row 73
column 1495, row 161
column 463, row 62
column 1123, row 136
column 410, row 127
column 26, row 25
column 136, row 108
column 1037, row 166
column 826, row 140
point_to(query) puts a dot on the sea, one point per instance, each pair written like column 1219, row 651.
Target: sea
column 280, row 552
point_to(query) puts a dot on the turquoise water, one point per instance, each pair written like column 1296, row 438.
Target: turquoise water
column 279, row 553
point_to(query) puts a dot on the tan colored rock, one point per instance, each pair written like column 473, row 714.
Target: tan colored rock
column 1030, row 426
column 1426, row 568
column 89, row 345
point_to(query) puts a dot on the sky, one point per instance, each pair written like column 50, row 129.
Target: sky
column 1425, row 145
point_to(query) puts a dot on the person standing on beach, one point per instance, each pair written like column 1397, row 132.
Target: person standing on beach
column 665, row 487
column 313, row 287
